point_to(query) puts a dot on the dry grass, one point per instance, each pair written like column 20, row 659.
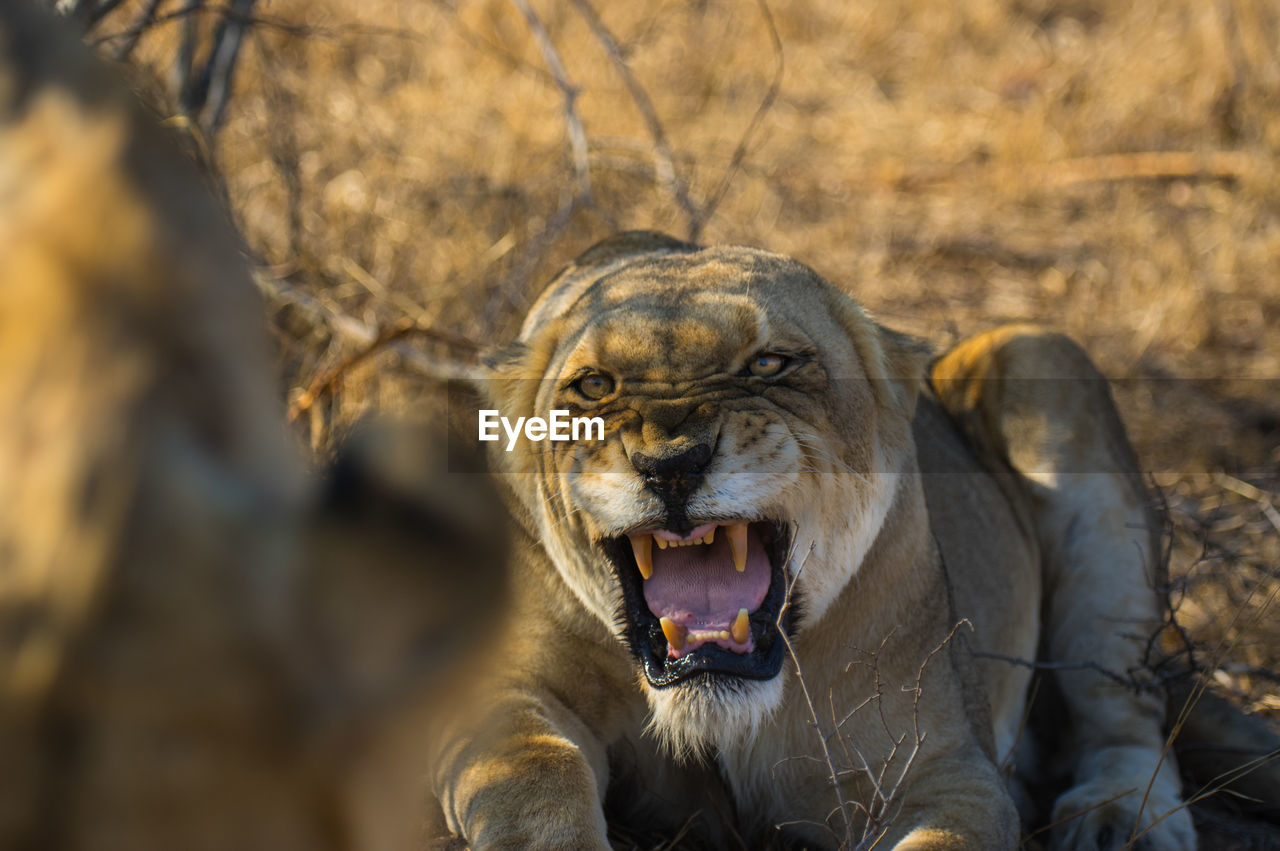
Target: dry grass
column 1105, row 167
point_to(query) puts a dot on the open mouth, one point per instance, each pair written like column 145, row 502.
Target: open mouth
column 707, row 602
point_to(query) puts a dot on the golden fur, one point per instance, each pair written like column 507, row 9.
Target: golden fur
column 200, row 648
column 1005, row 495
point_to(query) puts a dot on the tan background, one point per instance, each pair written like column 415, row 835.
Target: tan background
column 1105, row 167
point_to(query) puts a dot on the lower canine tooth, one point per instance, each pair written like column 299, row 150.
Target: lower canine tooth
column 741, row 627
column 738, row 544
column 674, row 632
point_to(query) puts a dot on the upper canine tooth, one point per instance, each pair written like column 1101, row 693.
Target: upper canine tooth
column 674, row 632
column 642, row 546
column 738, row 544
column 741, row 627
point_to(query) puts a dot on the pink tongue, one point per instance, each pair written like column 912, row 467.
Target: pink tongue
column 698, row 587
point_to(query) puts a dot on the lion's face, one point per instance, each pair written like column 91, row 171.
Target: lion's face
column 753, row 427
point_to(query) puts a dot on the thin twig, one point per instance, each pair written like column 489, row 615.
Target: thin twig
column 577, row 134
column 477, row 41
column 517, row 279
column 392, row 333
column 740, row 152
column 1006, row 765
column 1073, row 816
column 1251, row 671
column 181, row 72
column 833, row 773
column 343, row 33
column 219, row 71
column 1189, row 704
column 369, row 340
column 1264, row 499
column 1151, row 165
column 101, row 11
column 1076, row 171
column 665, row 162
column 1119, row 679
column 143, row 22
column 1208, row 790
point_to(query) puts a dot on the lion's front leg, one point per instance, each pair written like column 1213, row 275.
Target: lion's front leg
column 955, row 805
column 1036, row 399
column 910, row 745
column 534, row 778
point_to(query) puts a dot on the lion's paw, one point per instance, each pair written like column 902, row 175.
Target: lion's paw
column 1100, row 815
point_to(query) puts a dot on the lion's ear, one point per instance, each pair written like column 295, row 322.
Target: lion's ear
column 629, row 244
column 906, row 363
column 511, row 376
column 896, row 363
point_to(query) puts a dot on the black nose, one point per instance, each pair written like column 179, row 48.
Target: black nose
column 673, row 475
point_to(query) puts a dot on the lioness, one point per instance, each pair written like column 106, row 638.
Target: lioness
column 201, row 646
column 782, row 478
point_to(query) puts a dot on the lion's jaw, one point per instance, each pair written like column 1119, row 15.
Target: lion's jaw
column 794, row 469
column 827, row 516
column 832, row 520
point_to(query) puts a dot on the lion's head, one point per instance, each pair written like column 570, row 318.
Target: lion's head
column 755, row 420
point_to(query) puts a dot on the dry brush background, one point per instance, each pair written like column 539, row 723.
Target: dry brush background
column 1109, row 168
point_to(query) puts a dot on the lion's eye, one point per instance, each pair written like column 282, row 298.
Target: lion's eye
column 766, row 365
column 594, row 385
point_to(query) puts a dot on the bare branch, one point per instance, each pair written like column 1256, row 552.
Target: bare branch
column 392, row 333
column 1218, row 784
column 369, row 341
column 1264, row 499
column 181, row 72
column 665, row 162
column 1073, row 816
column 1088, row 665
column 106, row 7
column 522, row 271
column 833, row 772
column 1185, row 713
column 146, row 18
column 577, row 135
column 740, row 152
column 215, row 82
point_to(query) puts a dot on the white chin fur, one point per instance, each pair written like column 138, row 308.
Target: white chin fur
column 692, row 719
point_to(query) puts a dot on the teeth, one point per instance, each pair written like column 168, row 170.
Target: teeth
column 691, row 542
column 675, row 634
column 642, row 546
column 738, row 544
column 741, row 627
